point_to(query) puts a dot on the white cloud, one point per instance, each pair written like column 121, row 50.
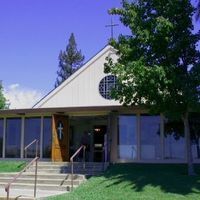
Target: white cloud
column 21, row 97
column 13, row 86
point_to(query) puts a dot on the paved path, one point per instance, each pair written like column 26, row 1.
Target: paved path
column 29, row 193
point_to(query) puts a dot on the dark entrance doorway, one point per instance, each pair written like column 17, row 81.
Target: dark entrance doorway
column 95, row 127
column 98, row 141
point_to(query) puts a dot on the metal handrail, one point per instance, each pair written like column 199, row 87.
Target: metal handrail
column 7, row 187
column 72, row 163
column 36, row 148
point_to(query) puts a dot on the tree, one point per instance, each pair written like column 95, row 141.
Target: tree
column 158, row 65
column 2, row 98
column 69, row 61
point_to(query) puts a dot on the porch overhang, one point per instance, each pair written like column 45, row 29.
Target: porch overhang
column 69, row 110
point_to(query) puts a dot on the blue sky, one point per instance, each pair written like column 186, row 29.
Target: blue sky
column 32, row 33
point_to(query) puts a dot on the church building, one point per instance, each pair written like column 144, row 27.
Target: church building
column 81, row 110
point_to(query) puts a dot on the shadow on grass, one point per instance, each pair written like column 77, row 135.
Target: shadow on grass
column 21, row 165
column 169, row 178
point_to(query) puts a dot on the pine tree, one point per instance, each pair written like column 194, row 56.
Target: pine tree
column 70, row 60
column 2, row 98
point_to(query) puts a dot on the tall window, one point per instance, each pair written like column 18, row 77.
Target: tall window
column 32, row 131
column 47, row 137
column 127, row 138
column 1, row 137
column 150, row 137
column 174, row 140
column 13, row 137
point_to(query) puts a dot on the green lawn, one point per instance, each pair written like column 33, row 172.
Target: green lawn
column 11, row 166
column 139, row 181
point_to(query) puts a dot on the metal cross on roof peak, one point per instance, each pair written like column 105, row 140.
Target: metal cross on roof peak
column 111, row 26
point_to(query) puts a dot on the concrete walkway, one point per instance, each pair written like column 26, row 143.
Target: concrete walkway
column 28, row 194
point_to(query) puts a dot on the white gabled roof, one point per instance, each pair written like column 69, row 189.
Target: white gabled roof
column 82, row 88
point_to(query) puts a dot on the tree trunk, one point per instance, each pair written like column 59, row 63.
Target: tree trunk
column 198, row 149
column 188, row 145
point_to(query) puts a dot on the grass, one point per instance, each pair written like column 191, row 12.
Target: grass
column 140, row 182
column 11, row 166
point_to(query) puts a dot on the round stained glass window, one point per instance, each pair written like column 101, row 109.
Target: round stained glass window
column 106, row 85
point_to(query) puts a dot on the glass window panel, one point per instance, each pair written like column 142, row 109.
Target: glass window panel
column 106, row 85
column 1, row 136
column 127, row 141
column 13, row 137
column 196, row 149
column 150, row 137
column 47, row 137
column 32, row 129
column 174, row 140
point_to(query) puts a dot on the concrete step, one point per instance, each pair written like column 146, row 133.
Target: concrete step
column 28, row 194
column 78, row 165
column 100, row 168
column 45, row 176
column 69, row 163
column 22, row 197
column 66, row 171
column 29, row 186
column 65, row 168
column 54, row 177
column 58, row 182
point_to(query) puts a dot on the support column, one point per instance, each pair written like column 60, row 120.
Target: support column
column 4, row 138
column 113, row 136
column 108, row 142
column 162, row 137
column 22, row 137
column 41, row 136
column 138, row 137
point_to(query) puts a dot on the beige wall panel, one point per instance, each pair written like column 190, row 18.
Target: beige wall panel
column 82, row 88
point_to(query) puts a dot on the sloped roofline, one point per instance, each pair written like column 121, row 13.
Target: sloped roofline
column 73, row 76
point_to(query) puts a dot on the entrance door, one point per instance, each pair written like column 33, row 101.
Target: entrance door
column 99, row 135
column 60, row 144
